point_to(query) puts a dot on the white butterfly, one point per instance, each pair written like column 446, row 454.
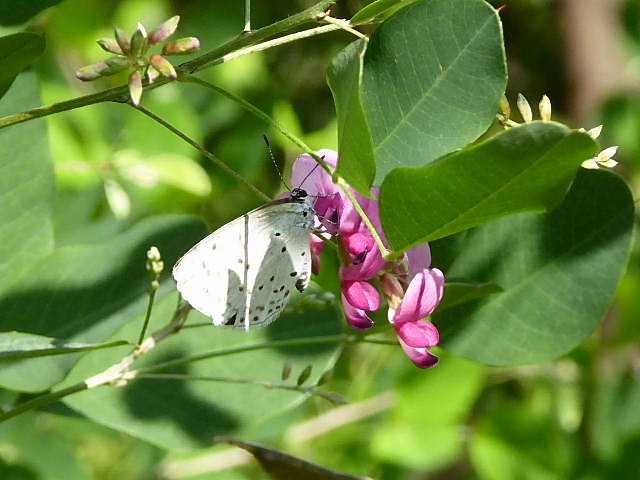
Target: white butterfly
column 243, row 273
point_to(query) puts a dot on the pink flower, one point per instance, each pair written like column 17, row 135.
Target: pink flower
column 418, row 301
column 412, row 289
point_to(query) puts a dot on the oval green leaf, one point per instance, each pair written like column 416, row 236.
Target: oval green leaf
column 433, row 76
column 526, row 168
column 559, row 272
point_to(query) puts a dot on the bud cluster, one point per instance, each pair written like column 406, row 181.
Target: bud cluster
column 603, row 159
column 131, row 53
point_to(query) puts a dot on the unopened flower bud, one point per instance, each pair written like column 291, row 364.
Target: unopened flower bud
column 110, row 45
column 392, row 289
column 182, row 46
column 505, row 108
column 163, row 66
column 135, row 87
column 138, row 41
column 152, row 74
column 286, row 370
column 524, row 108
column 304, row 375
column 155, row 265
column 164, row 31
column 122, row 39
column 545, row 108
column 102, row 69
column 595, row 132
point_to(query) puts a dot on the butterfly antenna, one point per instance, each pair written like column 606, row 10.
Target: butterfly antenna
column 309, row 174
column 275, row 164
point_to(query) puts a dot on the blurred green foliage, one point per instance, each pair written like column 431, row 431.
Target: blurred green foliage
column 577, row 417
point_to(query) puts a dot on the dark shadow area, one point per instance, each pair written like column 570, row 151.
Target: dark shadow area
column 597, row 210
column 170, row 399
column 67, row 312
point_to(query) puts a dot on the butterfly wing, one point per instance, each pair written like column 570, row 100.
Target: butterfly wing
column 243, row 273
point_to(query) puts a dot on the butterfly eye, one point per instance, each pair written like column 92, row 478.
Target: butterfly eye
column 298, row 194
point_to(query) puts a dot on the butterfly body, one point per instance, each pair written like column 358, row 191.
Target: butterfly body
column 244, row 273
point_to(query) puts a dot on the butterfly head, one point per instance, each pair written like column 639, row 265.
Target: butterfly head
column 298, row 195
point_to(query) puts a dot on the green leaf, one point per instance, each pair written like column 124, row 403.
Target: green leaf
column 433, row 76
column 183, row 415
column 14, row 13
column 18, row 345
column 282, row 466
column 527, row 168
column 26, row 187
column 17, row 52
column 84, row 293
column 357, row 163
column 559, row 272
column 377, row 9
column 456, row 293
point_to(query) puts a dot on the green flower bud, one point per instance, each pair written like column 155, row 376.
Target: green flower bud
column 135, row 87
column 286, row 370
column 182, row 46
column 122, row 39
column 102, row 69
column 138, row 41
column 304, row 375
column 524, row 108
column 163, row 65
column 110, row 45
column 164, row 31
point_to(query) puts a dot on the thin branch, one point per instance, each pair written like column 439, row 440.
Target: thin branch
column 261, row 115
column 331, row 397
column 376, row 236
column 204, row 151
column 279, row 41
column 295, row 342
column 247, row 16
column 345, row 25
column 216, row 56
column 341, row 182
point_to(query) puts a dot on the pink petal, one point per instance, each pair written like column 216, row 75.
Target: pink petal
column 418, row 334
column 421, row 357
column 358, row 243
column 419, row 258
column 308, row 175
column 361, row 295
column 350, row 220
column 422, row 296
column 357, row 318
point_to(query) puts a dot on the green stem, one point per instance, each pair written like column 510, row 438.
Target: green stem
column 42, row 400
column 332, row 397
column 215, row 56
column 345, row 25
column 297, row 141
column 261, row 115
column 386, row 254
column 204, row 151
column 296, row 342
column 247, row 16
column 152, row 296
column 279, row 41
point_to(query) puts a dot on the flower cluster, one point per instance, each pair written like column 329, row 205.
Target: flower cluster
column 603, row 159
column 132, row 53
column 412, row 289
